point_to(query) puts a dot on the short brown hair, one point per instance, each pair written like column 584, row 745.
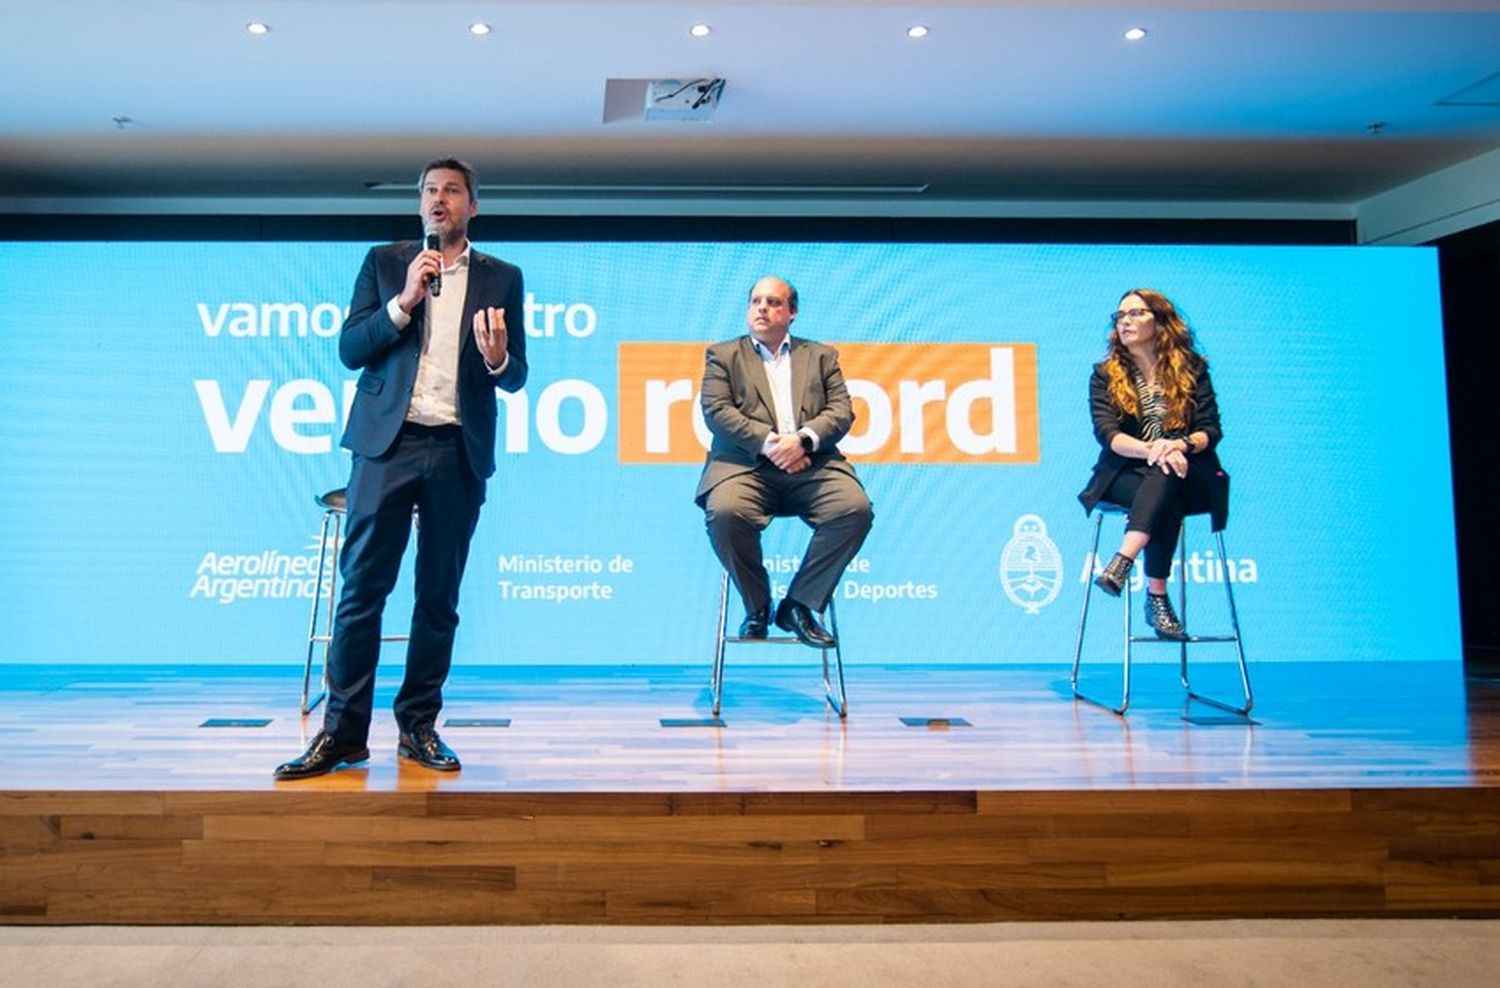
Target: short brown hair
column 450, row 164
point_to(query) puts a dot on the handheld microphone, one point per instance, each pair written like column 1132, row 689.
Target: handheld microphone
column 435, row 286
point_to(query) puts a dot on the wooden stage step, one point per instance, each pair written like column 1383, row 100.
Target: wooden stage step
column 1356, row 791
column 450, row 858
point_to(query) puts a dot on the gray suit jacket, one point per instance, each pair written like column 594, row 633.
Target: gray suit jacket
column 738, row 408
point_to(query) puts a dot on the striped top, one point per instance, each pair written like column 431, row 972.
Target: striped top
column 1152, row 408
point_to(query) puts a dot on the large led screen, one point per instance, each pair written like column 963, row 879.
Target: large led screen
column 169, row 412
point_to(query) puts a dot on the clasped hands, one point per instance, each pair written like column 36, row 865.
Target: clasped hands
column 1166, row 454
column 787, row 453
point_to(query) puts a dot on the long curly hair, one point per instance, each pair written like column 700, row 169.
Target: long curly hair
column 1178, row 363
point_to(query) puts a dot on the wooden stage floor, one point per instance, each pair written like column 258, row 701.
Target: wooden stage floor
column 1355, row 790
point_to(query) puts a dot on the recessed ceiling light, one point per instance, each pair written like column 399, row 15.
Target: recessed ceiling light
column 700, row 30
column 1135, row 34
column 479, row 29
column 917, row 31
column 258, row 28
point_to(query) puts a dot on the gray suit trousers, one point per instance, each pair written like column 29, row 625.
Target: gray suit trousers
column 739, row 508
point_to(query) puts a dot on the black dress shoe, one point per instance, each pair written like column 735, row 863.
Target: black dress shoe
column 1163, row 619
column 424, row 747
column 756, row 622
column 325, row 754
column 1114, row 576
column 798, row 619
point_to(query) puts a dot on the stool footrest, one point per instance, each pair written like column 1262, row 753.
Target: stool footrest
column 327, row 639
column 771, row 640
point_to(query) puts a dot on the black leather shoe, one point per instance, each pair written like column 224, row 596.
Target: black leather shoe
column 756, row 622
column 1115, row 575
column 798, row 619
column 325, row 754
column 1163, row 619
column 424, row 747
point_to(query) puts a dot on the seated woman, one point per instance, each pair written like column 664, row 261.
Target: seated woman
column 1157, row 419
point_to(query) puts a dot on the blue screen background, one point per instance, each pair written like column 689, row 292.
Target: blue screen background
column 118, row 502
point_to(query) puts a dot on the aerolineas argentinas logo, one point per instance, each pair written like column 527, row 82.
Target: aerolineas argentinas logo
column 232, row 577
column 913, row 402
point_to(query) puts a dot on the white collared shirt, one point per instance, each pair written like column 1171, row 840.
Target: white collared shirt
column 434, row 397
column 778, row 367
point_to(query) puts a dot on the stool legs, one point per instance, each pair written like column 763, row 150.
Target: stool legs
column 837, row 700
column 1132, row 639
column 716, row 682
column 833, row 675
column 330, row 540
column 1239, row 645
column 332, row 521
column 1083, row 620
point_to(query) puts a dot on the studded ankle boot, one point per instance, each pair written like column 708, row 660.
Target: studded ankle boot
column 1162, row 618
column 1112, row 579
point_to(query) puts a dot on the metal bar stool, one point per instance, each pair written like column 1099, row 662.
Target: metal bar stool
column 836, row 698
column 1104, row 508
column 330, row 539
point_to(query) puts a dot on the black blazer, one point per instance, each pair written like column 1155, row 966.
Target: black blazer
column 370, row 342
column 1110, row 421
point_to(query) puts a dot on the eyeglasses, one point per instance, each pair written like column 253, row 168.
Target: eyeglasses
column 1116, row 316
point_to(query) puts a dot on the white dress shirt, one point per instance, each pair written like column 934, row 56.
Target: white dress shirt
column 434, row 396
column 778, row 367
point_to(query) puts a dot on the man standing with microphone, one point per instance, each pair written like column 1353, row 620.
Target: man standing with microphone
column 434, row 327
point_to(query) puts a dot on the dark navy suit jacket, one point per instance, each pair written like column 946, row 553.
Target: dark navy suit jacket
column 370, row 342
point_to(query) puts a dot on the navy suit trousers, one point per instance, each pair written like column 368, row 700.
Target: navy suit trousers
column 426, row 470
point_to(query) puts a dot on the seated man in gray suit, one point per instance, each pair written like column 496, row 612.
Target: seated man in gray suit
column 776, row 407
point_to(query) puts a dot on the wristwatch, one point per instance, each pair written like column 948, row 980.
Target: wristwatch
column 807, row 443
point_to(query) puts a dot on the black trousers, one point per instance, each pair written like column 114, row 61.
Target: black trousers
column 737, row 510
column 1157, row 502
column 426, row 470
